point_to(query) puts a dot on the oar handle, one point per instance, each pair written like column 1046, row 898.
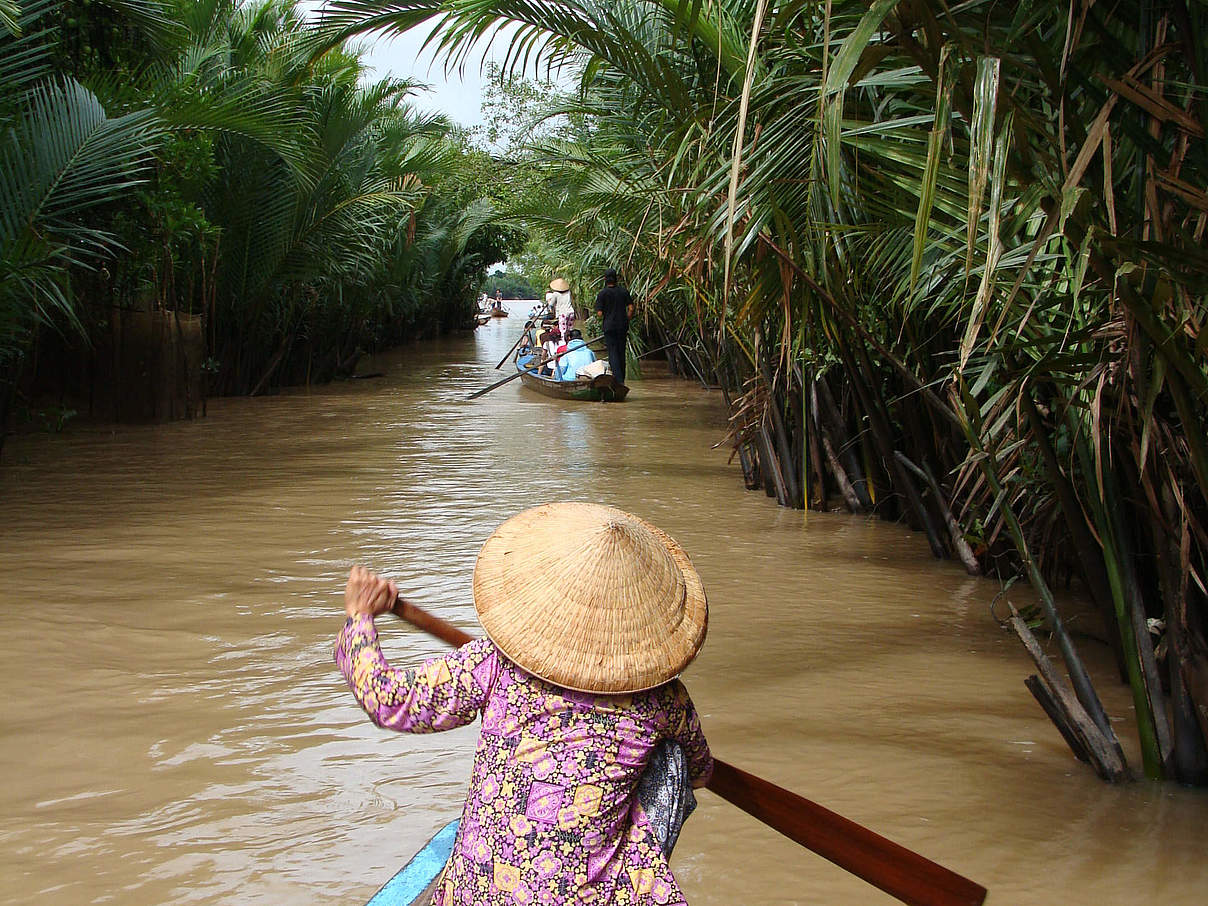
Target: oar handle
column 901, row 873
column 433, row 625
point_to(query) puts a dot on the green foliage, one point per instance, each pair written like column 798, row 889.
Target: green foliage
column 10, row 13
column 63, row 158
column 205, row 158
column 982, row 225
column 513, row 286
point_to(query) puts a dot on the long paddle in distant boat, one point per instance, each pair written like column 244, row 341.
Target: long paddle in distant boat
column 511, row 377
column 508, row 354
column 901, row 873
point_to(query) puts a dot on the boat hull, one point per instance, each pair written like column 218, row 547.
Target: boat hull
column 602, row 389
column 416, row 881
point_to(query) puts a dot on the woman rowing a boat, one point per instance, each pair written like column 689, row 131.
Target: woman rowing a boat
column 590, row 613
column 563, row 308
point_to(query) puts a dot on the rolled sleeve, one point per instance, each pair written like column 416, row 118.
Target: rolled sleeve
column 440, row 694
column 686, row 730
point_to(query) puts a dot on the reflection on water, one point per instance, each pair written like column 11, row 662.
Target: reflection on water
column 175, row 732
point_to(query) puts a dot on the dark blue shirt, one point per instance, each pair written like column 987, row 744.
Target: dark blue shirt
column 613, row 303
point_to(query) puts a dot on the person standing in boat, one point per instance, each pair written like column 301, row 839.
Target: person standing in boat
column 591, row 614
column 563, row 308
column 614, row 305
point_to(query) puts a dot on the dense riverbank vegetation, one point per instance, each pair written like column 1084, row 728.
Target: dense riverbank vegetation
column 199, row 170
column 946, row 260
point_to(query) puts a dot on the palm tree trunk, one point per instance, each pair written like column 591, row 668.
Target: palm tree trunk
column 1089, row 555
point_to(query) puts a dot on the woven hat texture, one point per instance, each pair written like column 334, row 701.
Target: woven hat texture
column 590, row 598
column 559, row 285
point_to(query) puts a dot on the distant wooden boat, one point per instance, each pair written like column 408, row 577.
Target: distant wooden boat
column 603, row 388
column 498, row 313
column 416, row 881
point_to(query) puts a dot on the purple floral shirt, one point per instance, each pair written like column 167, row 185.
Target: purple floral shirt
column 552, row 815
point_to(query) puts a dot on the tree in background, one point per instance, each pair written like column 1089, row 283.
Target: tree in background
column 513, row 286
column 945, row 260
column 209, row 160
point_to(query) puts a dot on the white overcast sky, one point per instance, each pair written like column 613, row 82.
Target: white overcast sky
column 458, row 96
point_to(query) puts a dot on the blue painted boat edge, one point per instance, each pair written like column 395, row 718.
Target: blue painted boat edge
column 414, row 877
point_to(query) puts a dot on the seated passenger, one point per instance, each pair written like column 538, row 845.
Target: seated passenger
column 550, row 341
column 577, row 356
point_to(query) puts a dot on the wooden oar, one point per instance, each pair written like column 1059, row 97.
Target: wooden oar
column 507, row 355
column 511, row 377
column 901, row 873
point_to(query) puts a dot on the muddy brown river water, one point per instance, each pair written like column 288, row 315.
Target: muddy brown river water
column 174, row 730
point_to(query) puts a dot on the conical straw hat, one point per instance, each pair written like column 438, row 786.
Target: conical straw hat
column 559, row 285
column 590, row 598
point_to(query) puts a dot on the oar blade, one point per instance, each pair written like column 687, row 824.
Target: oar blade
column 901, row 873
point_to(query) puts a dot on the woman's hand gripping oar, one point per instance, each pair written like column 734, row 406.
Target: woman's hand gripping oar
column 901, row 873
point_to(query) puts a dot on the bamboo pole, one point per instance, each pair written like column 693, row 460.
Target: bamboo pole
column 916, row 501
column 1189, row 757
column 846, row 449
column 1134, row 633
column 1048, row 702
column 846, row 490
column 987, row 462
column 1089, row 559
column 767, row 457
column 805, row 457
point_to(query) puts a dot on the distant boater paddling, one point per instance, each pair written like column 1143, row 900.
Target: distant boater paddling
column 591, row 614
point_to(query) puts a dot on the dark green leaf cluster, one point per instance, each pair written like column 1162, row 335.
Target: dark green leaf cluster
column 968, row 236
column 223, row 161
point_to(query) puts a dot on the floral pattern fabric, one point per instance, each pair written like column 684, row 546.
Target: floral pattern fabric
column 552, row 815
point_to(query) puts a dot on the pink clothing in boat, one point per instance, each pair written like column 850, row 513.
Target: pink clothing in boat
column 552, row 815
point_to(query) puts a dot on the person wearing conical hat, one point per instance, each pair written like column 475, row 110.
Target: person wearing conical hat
column 590, row 614
column 564, row 309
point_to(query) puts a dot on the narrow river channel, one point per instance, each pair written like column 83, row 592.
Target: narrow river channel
column 174, row 730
